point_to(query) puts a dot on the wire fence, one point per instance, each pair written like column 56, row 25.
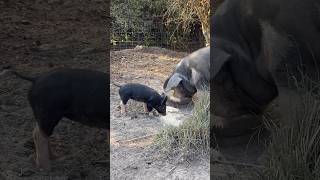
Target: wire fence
column 153, row 32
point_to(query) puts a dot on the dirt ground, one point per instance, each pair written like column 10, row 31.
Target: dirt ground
column 36, row 36
column 136, row 159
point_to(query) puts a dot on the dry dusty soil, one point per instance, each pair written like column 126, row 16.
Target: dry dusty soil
column 131, row 157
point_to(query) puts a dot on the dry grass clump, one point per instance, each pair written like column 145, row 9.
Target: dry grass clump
column 294, row 150
column 183, row 12
column 192, row 136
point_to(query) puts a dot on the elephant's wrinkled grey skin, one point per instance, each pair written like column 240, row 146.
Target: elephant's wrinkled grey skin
column 191, row 74
column 256, row 46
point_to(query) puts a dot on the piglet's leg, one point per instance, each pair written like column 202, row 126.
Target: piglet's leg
column 145, row 108
column 41, row 142
column 123, row 108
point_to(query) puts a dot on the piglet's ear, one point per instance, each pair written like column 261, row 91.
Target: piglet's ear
column 164, row 98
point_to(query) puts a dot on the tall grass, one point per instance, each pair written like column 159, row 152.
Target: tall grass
column 294, row 150
column 185, row 12
column 192, row 136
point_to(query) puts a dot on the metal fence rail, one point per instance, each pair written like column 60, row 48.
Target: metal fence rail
column 153, row 32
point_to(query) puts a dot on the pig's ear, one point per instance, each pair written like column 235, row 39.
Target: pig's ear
column 172, row 82
column 217, row 59
column 187, row 85
column 166, row 82
column 164, row 98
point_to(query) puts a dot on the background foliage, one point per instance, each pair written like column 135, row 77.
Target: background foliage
column 157, row 23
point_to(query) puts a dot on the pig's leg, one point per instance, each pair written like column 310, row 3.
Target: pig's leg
column 41, row 142
column 145, row 105
column 123, row 108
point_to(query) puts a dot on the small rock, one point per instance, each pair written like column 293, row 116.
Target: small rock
column 26, row 173
column 45, row 47
column 138, row 47
column 25, row 22
column 87, row 50
column 133, row 167
column 67, row 3
column 149, row 162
